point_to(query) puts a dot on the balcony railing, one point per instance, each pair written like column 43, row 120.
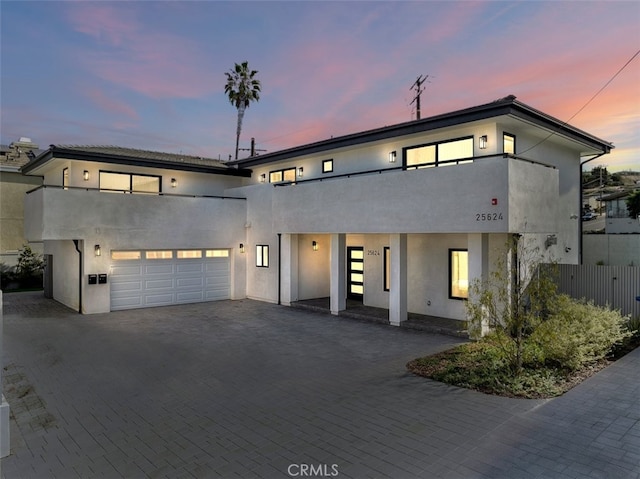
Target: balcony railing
column 133, row 192
column 456, row 162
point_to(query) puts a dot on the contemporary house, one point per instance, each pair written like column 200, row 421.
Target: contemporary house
column 401, row 217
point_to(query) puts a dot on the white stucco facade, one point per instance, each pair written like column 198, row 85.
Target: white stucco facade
column 358, row 226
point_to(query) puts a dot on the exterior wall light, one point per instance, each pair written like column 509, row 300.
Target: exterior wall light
column 314, row 245
column 85, row 175
column 263, row 177
column 241, row 247
column 174, row 182
column 392, row 157
column 483, row 142
column 300, row 172
column 97, row 251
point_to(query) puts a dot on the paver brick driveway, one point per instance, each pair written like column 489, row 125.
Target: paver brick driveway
column 249, row 389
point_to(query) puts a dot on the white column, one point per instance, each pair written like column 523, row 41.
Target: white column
column 478, row 248
column 338, row 273
column 398, row 287
column 289, row 269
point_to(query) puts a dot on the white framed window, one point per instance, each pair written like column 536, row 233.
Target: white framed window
column 188, row 253
column 262, row 256
column 217, row 253
column 126, row 255
column 458, row 274
column 166, row 254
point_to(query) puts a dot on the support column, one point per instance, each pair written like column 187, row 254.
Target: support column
column 289, row 269
column 338, row 273
column 478, row 248
column 398, row 287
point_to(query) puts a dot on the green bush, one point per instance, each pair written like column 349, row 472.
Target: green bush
column 577, row 333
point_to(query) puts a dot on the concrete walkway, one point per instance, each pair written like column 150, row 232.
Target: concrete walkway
column 247, row 389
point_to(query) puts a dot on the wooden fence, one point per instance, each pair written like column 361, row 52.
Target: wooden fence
column 613, row 286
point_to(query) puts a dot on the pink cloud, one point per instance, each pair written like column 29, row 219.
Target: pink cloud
column 111, row 104
column 157, row 65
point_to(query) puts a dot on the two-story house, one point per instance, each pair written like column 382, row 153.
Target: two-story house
column 402, row 217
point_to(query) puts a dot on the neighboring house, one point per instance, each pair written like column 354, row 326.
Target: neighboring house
column 618, row 219
column 402, row 217
column 13, row 186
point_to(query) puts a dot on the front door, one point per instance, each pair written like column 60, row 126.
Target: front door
column 355, row 272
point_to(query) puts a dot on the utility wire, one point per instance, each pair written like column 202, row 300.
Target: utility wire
column 587, row 103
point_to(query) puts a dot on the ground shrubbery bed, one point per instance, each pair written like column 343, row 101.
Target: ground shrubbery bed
column 572, row 343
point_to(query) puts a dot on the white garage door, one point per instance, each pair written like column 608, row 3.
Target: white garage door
column 142, row 279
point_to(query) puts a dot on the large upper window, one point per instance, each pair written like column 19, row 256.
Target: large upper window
column 439, row 154
column 509, row 143
column 458, row 274
column 282, row 175
column 129, row 182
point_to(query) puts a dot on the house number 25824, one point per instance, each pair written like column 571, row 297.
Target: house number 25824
column 488, row 216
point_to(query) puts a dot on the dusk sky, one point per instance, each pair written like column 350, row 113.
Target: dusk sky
column 150, row 74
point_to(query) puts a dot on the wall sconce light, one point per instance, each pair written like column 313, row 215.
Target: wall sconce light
column 314, row 245
column 392, row 157
column 97, row 251
column 300, row 172
column 85, row 175
column 483, row 142
column 551, row 240
column 241, row 247
column 174, row 182
column 263, row 177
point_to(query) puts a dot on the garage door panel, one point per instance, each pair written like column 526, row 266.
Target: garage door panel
column 189, row 267
column 190, row 283
column 160, row 282
column 159, row 299
column 152, row 285
column 166, row 268
column 189, row 297
column 126, row 270
column 124, row 286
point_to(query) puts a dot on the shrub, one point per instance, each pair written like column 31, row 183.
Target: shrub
column 577, row 333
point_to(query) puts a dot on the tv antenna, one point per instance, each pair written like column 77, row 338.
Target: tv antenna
column 418, row 87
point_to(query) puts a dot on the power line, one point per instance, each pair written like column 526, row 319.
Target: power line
column 587, row 103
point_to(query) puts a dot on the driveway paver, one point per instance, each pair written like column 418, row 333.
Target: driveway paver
column 250, row 389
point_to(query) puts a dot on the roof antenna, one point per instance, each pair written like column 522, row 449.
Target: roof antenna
column 418, row 86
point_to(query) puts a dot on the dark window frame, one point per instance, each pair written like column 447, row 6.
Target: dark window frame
column 131, row 175
column 437, row 160
column 510, row 135
column 65, row 176
column 450, row 275
column 386, row 265
column 261, row 249
column 283, row 171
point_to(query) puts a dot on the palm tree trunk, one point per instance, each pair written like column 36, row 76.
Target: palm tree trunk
column 241, row 109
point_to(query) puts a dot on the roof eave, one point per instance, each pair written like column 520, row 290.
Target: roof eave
column 55, row 152
column 506, row 106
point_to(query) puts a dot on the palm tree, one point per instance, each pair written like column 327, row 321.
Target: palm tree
column 242, row 88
